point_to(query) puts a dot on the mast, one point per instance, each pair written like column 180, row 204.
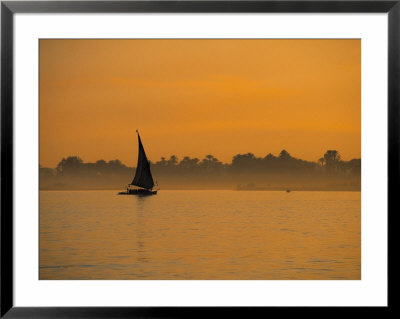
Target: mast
column 143, row 177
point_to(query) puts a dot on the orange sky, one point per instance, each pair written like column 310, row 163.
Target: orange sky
column 199, row 97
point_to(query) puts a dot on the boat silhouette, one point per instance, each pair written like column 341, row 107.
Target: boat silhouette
column 143, row 179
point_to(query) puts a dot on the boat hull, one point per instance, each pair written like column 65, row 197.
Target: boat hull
column 139, row 192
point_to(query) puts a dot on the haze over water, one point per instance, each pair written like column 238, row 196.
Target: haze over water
column 200, row 235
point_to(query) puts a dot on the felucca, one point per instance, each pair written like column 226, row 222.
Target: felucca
column 143, row 179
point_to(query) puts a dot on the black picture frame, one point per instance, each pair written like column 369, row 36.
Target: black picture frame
column 9, row 8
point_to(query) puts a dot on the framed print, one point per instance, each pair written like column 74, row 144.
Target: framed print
column 181, row 158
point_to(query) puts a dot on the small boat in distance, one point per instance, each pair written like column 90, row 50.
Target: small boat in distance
column 143, row 178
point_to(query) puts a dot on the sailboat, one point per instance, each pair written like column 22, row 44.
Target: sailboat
column 143, row 178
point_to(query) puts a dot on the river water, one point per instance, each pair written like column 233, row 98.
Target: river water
column 200, row 235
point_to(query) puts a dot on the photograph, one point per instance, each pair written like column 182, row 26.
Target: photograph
column 199, row 159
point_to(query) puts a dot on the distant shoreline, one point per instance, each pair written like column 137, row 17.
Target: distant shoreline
column 294, row 189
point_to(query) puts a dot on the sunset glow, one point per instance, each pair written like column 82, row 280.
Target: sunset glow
column 199, row 97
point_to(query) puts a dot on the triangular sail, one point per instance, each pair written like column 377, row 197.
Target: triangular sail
column 143, row 176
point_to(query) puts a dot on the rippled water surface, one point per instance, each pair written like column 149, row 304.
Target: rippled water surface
column 200, row 235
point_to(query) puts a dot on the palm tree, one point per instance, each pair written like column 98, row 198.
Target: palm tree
column 71, row 164
column 173, row 160
column 332, row 159
column 284, row 155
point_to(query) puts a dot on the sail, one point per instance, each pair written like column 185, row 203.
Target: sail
column 143, row 176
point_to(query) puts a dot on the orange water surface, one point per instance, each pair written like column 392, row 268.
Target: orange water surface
column 200, row 235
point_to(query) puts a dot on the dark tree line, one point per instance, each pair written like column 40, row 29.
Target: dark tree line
column 284, row 163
